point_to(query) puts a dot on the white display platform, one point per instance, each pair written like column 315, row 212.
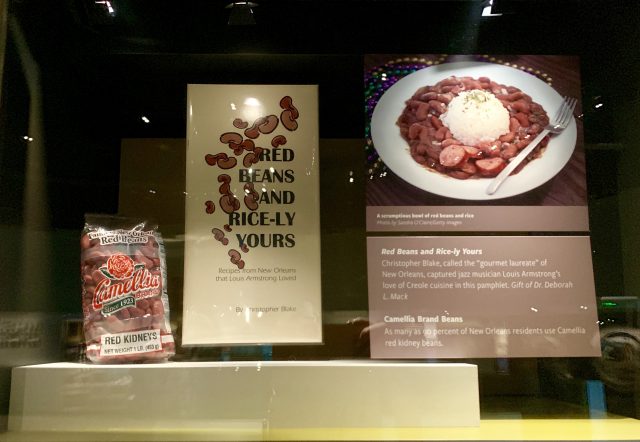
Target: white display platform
column 252, row 397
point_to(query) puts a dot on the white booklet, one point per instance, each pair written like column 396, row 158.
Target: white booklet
column 252, row 228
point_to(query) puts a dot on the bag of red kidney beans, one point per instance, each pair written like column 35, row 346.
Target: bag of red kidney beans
column 124, row 291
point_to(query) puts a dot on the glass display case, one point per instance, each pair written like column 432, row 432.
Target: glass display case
column 330, row 264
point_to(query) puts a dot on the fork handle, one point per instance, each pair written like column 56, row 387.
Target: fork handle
column 504, row 174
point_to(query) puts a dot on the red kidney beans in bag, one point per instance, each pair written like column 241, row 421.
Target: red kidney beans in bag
column 124, row 294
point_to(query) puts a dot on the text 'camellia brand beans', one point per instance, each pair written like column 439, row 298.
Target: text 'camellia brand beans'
column 124, row 296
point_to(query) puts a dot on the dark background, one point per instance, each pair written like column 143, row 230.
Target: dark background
column 100, row 72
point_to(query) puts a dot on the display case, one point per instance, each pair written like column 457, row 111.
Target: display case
column 272, row 220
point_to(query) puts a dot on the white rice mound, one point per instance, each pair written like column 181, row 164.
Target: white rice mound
column 475, row 116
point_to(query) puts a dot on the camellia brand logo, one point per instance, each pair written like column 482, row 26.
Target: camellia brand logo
column 123, row 279
column 120, row 266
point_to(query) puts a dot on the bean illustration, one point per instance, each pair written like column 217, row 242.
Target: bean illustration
column 248, row 159
column 211, row 160
column 234, row 255
column 240, row 124
column 278, row 140
column 288, row 121
column 231, row 137
column 217, row 234
column 269, row 125
column 229, row 203
column 235, row 258
column 253, row 131
column 248, row 145
column 237, row 148
column 225, row 187
column 229, row 163
column 251, row 197
column 258, row 153
column 221, row 159
column 286, row 103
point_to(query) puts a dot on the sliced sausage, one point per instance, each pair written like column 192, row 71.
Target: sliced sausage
column 452, row 156
column 490, row 166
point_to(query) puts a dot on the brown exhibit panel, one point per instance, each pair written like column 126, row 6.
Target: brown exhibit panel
column 479, row 297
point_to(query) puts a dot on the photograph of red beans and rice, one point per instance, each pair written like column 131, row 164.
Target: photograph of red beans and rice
column 466, row 127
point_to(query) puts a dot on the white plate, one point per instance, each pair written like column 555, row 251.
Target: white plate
column 394, row 151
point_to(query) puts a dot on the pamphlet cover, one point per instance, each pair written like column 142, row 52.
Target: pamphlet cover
column 252, row 221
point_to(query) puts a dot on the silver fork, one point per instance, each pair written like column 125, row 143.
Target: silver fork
column 559, row 123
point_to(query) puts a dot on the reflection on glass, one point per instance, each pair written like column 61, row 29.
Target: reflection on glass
column 252, row 109
column 254, row 102
column 107, row 4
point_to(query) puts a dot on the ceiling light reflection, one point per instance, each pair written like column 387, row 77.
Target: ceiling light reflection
column 252, row 109
column 108, row 6
column 241, row 13
column 488, row 10
column 254, row 102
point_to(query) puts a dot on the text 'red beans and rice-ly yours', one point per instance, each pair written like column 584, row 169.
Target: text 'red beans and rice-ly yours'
column 433, row 146
column 124, row 297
